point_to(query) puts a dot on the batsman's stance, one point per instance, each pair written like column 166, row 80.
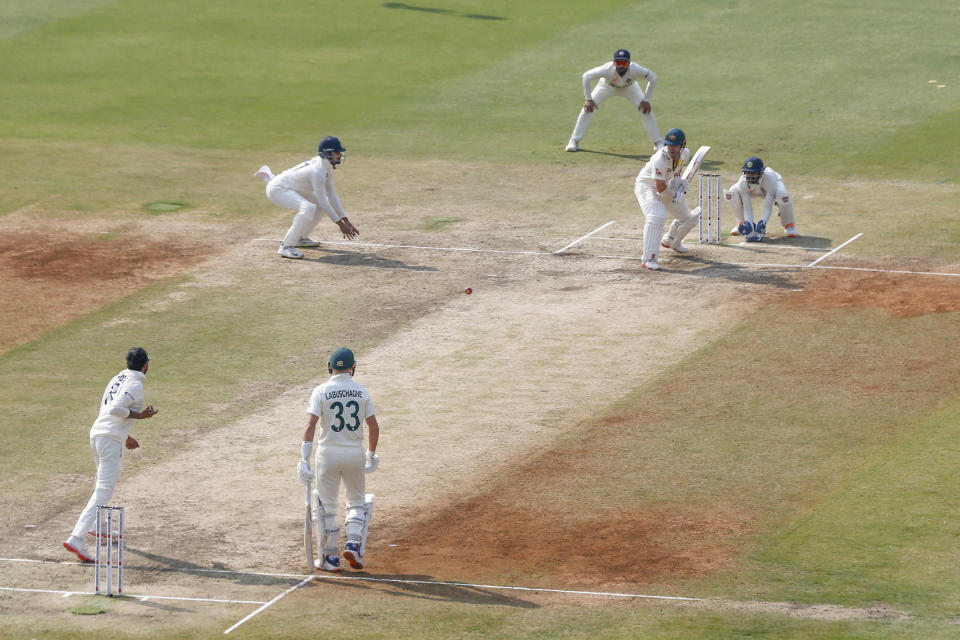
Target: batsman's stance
column 659, row 189
column 341, row 406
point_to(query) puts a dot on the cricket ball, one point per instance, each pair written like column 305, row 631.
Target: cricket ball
column 468, row 291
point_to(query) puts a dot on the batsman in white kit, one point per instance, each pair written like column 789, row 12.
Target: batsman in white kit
column 661, row 188
column 759, row 181
column 620, row 77
column 341, row 406
column 121, row 404
column 307, row 188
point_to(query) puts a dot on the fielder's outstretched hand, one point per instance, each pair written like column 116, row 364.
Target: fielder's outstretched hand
column 347, row 229
column 589, row 106
column 132, row 443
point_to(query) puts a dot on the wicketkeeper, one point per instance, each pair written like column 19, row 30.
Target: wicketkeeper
column 341, row 406
column 758, row 181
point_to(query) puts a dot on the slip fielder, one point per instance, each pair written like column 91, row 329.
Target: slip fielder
column 619, row 77
column 340, row 406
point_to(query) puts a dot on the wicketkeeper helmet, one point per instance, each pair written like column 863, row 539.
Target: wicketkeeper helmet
column 753, row 169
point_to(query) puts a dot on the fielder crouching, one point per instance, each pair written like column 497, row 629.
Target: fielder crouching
column 341, row 406
column 758, row 181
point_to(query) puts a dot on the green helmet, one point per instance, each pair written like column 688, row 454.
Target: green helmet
column 341, row 359
column 675, row 138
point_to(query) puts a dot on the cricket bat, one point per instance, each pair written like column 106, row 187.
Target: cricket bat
column 694, row 165
column 308, row 533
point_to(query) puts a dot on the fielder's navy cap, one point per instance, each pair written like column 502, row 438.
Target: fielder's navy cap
column 621, row 54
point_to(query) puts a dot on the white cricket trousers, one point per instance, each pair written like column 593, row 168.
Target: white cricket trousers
column 632, row 93
column 307, row 211
column 108, row 457
column 655, row 215
column 333, row 464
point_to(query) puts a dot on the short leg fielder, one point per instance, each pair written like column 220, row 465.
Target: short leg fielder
column 306, row 219
column 600, row 94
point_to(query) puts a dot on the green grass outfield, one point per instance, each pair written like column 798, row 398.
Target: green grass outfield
column 111, row 105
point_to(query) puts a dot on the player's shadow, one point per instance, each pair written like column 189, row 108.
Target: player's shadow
column 814, row 242
column 218, row 572
column 424, row 587
column 411, row 586
column 626, row 156
column 448, row 12
column 734, row 272
column 355, row 259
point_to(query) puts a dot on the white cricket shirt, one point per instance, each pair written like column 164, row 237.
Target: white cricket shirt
column 342, row 405
column 124, row 393
column 313, row 179
column 607, row 73
column 661, row 167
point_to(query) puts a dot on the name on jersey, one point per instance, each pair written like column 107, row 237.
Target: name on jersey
column 343, row 393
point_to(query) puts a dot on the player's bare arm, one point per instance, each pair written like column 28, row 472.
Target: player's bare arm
column 148, row 412
column 374, row 430
column 308, row 433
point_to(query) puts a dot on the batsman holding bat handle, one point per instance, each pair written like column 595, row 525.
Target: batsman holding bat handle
column 340, row 406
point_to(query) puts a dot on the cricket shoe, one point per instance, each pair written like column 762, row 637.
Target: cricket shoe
column 78, row 547
column 651, row 264
column 572, row 146
column 290, row 252
column 791, row 230
column 351, row 551
column 330, row 563
column 307, row 242
column 735, row 231
column 667, row 243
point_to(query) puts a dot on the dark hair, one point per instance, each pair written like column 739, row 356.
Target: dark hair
column 137, row 358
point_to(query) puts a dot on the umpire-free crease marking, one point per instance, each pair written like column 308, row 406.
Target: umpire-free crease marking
column 305, row 578
column 760, row 265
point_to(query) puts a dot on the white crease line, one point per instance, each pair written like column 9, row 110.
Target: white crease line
column 578, row 240
column 825, row 256
column 142, row 598
column 267, row 604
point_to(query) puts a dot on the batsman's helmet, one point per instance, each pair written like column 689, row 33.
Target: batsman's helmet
column 136, row 358
column 622, row 55
column 752, row 168
column 327, row 146
column 341, row 359
column 675, row 138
